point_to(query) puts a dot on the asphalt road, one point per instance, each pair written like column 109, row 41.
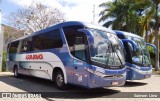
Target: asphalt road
column 50, row 93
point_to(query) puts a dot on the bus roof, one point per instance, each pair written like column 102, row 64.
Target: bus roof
column 127, row 34
column 65, row 24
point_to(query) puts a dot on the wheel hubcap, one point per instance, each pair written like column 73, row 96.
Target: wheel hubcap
column 59, row 80
column 15, row 72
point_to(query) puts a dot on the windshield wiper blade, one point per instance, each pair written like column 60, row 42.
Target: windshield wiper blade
column 120, row 60
column 107, row 59
column 116, row 54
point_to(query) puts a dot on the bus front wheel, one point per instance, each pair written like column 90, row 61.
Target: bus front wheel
column 59, row 80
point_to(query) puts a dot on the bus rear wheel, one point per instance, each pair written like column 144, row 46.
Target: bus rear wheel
column 16, row 75
column 59, row 80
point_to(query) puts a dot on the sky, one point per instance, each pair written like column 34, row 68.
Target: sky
column 74, row 10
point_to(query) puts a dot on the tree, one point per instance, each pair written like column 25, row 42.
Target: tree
column 126, row 14
column 35, row 17
column 11, row 33
column 157, row 2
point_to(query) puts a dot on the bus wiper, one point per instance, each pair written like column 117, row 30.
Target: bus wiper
column 144, row 56
column 142, row 53
column 119, row 60
column 107, row 56
column 116, row 54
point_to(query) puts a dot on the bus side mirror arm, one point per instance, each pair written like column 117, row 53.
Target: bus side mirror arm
column 122, row 45
column 134, row 45
column 89, row 35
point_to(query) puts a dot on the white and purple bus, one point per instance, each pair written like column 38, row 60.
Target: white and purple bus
column 137, row 61
column 70, row 53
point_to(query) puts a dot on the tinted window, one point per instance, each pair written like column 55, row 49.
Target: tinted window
column 47, row 40
column 26, row 45
column 80, row 48
column 70, row 33
column 14, row 47
column 76, row 41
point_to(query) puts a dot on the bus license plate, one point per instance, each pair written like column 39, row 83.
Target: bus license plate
column 146, row 76
column 114, row 83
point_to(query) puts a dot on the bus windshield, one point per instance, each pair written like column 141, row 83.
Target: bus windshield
column 141, row 56
column 106, row 49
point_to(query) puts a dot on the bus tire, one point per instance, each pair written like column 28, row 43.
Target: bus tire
column 59, row 80
column 15, row 71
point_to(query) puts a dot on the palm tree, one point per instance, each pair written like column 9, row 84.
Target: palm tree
column 153, row 27
column 157, row 2
column 126, row 14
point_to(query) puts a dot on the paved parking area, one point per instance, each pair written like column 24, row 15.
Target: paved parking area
column 29, row 84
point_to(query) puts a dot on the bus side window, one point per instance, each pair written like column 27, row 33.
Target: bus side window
column 48, row 40
column 37, row 43
column 26, row 45
column 70, row 33
column 13, row 47
column 80, row 48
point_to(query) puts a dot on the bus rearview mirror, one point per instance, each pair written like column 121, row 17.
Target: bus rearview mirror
column 122, row 45
column 89, row 35
column 134, row 45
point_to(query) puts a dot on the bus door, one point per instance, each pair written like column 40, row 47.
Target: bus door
column 80, row 62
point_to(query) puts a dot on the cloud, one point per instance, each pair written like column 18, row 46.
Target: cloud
column 67, row 3
column 25, row 3
column 22, row 2
column 81, row 10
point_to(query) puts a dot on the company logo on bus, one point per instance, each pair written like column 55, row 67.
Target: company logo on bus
column 34, row 57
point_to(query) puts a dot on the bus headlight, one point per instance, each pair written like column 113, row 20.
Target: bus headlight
column 102, row 75
column 96, row 73
column 99, row 74
column 137, row 67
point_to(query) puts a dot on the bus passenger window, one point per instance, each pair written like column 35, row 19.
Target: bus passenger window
column 76, row 42
column 13, row 47
column 80, row 48
column 26, row 45
column 37, row 44
column 48, row 40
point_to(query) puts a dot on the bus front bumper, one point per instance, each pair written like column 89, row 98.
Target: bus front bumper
column 138, row 74
column 97, row 82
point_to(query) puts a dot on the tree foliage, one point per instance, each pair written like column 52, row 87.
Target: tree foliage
column 35, row 17
column 11, row 33
column 126, row 15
